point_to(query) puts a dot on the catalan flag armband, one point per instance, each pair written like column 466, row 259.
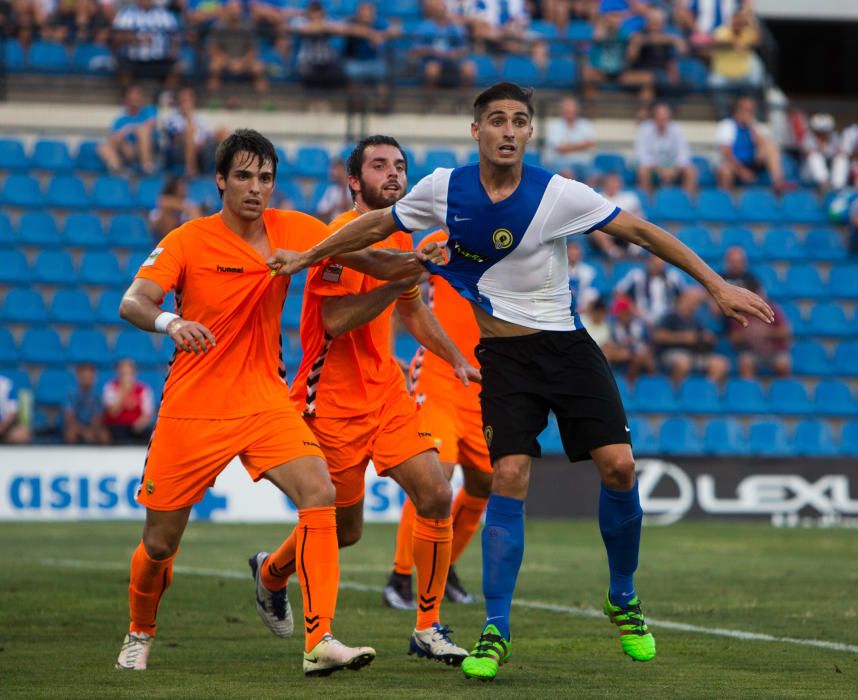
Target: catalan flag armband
column 411, row 294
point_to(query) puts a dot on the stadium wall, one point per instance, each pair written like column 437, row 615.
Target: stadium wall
column 79, row 483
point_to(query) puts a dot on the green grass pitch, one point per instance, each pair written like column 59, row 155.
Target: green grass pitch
column 63, row 612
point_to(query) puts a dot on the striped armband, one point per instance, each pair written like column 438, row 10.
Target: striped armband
column 411, row 294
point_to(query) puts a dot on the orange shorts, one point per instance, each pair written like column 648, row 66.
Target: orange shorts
column 186, row 455
column 457, row 424
column 389, row 436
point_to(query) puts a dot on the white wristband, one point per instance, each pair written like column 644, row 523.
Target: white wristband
column 163, row 320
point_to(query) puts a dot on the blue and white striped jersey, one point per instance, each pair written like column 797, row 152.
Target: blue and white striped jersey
column 508, row 257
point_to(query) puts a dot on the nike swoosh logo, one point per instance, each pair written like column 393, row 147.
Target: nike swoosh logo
column 314, row 660
column 627, row 429
column 459, row 218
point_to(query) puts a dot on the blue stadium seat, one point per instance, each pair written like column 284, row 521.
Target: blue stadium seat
column 54, row 386
column 849, row 439
column 810, row 358
column 8, row 350
column 54, row 267
column 87, row 158
column 716, row 205
column 672, row 204
column 20, row 379
column 693, row 74
column 797, row 321
column 741, row 237
column 148, row 189
column 744, row 396
column 405, row 346
column 768, row 438
column 67, row 192
column 51, row 154
column 107, row 308
column 643, row 437
column 48, row 57
column 129, row 231
column 312, row 161
column 41, row 346
column 782, row 244
column 843, row 281
column 439, row 158
column 12, row 155
column 83, row 231
column 724, row 436
column 580, row 31
column 135, row 260
column 7, row 234
column 829, row 319
column 654, row 395
column 291, row 190
column 404, row 9
column 769, row 278
column 14, row 268
column 804, row 281
column 759, row 206
column 487, row 72
column 813, row 438
column 204, row 192
column 38, row 229
column 824, row 244
column 71, row 306
column 24, row 306
column 100, row 267
column 605, row 163
column 13, row 55
column 562, row 73
column 137, row 345
column 699, row 239
column 90, row 346
column 679, row 436
column 22, row 191
column 834, row 398
column 802, row 207
column 699, row 395
column 705, row 171
column 111, row 192
column 94, row 59
column 165, row 350
column 520, row 69
column 789, row 397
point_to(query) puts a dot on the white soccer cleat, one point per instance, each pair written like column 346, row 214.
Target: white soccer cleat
column 331, row 655
column 273, row 606
column 434, row 643
column 135, row 651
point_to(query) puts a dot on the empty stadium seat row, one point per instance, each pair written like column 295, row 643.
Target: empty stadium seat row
column 56, row 267
column 818, row 244
column 752, row 205
column 128, row 231
column 43, row 346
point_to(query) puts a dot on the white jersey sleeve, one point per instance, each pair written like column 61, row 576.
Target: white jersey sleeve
column 578, row 209
column 426, row 205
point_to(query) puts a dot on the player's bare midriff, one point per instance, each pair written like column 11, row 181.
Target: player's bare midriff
column 491, row 327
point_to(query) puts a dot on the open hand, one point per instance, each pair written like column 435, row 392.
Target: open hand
column 466, row 373
column 735, row 302
column 190, row 336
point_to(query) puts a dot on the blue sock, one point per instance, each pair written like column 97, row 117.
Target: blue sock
column 620, row 516
column 503, row 548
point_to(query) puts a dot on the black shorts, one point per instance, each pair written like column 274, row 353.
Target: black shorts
column 562, row 371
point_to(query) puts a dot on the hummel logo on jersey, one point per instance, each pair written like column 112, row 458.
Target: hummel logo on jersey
column 224, row 268
column 458, row 218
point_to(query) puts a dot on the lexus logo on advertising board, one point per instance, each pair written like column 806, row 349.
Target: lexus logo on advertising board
column 668, row 494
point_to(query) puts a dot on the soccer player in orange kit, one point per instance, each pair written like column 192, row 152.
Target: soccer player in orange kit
column 354, row 398
column 226, row 396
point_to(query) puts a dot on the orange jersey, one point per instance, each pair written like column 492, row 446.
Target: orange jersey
column 354, row 373
column 223, row 283
column 457, row 318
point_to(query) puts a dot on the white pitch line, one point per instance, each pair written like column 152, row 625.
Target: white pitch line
column 531, row 604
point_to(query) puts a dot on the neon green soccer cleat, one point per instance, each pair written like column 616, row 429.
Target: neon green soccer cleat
column 490, row 652
column 637, row 641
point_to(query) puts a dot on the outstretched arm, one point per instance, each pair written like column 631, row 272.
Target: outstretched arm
column 341, row 314
column 390, row 264
column 734, row 301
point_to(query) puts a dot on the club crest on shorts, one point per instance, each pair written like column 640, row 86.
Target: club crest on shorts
column 489, row 432
column 150, row 487
column 502, row 238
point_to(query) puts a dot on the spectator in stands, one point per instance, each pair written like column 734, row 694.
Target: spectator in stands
column 569, row 141
column 146, row 42
column 825, row 158
column 662, row 152
column 581, row 277
column 735, row 64
column 736, row 268
column 318, row 59
column 365, row 59
column 498, row 26
column 595, row 320
column 685, row 345
column 762, row 345
column 14, row 428
column 83, row 412
column 746, row 150
column 337, row 196
column 629, row 345
column 24, row 20
column 77, row 21
column 233, row 50
column 188, row 142
column 129, row 406
column 174, row 208
column 442, row 48
column 652, row 57
column 653, row 289
column 270, row 18
column 606, row 59
column 627, row 200
column 131, row 141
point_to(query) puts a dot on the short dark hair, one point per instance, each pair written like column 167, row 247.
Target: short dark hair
column 246, row 140
column 503, row 91
column 354, row 163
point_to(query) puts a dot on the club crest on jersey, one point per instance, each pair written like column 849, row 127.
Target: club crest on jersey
column 502, row 238
column 153, row 256
column 332, row 273
column 489, row 432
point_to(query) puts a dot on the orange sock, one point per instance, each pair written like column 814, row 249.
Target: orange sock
column 403, row 559
column 280, row 564
column 318, row 561
column 149, row 579
column 467, row 511
column 432, row 544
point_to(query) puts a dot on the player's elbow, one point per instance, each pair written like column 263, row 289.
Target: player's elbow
column 334, row 326
column 126, row 308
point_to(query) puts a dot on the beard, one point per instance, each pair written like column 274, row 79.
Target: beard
column 378, row 198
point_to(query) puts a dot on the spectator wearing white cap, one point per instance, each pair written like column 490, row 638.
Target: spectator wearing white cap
column 825, row 160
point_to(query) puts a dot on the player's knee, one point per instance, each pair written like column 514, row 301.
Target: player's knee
column 159, row 547
column 349, row 535
column 619, row 472
column 434, row 501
